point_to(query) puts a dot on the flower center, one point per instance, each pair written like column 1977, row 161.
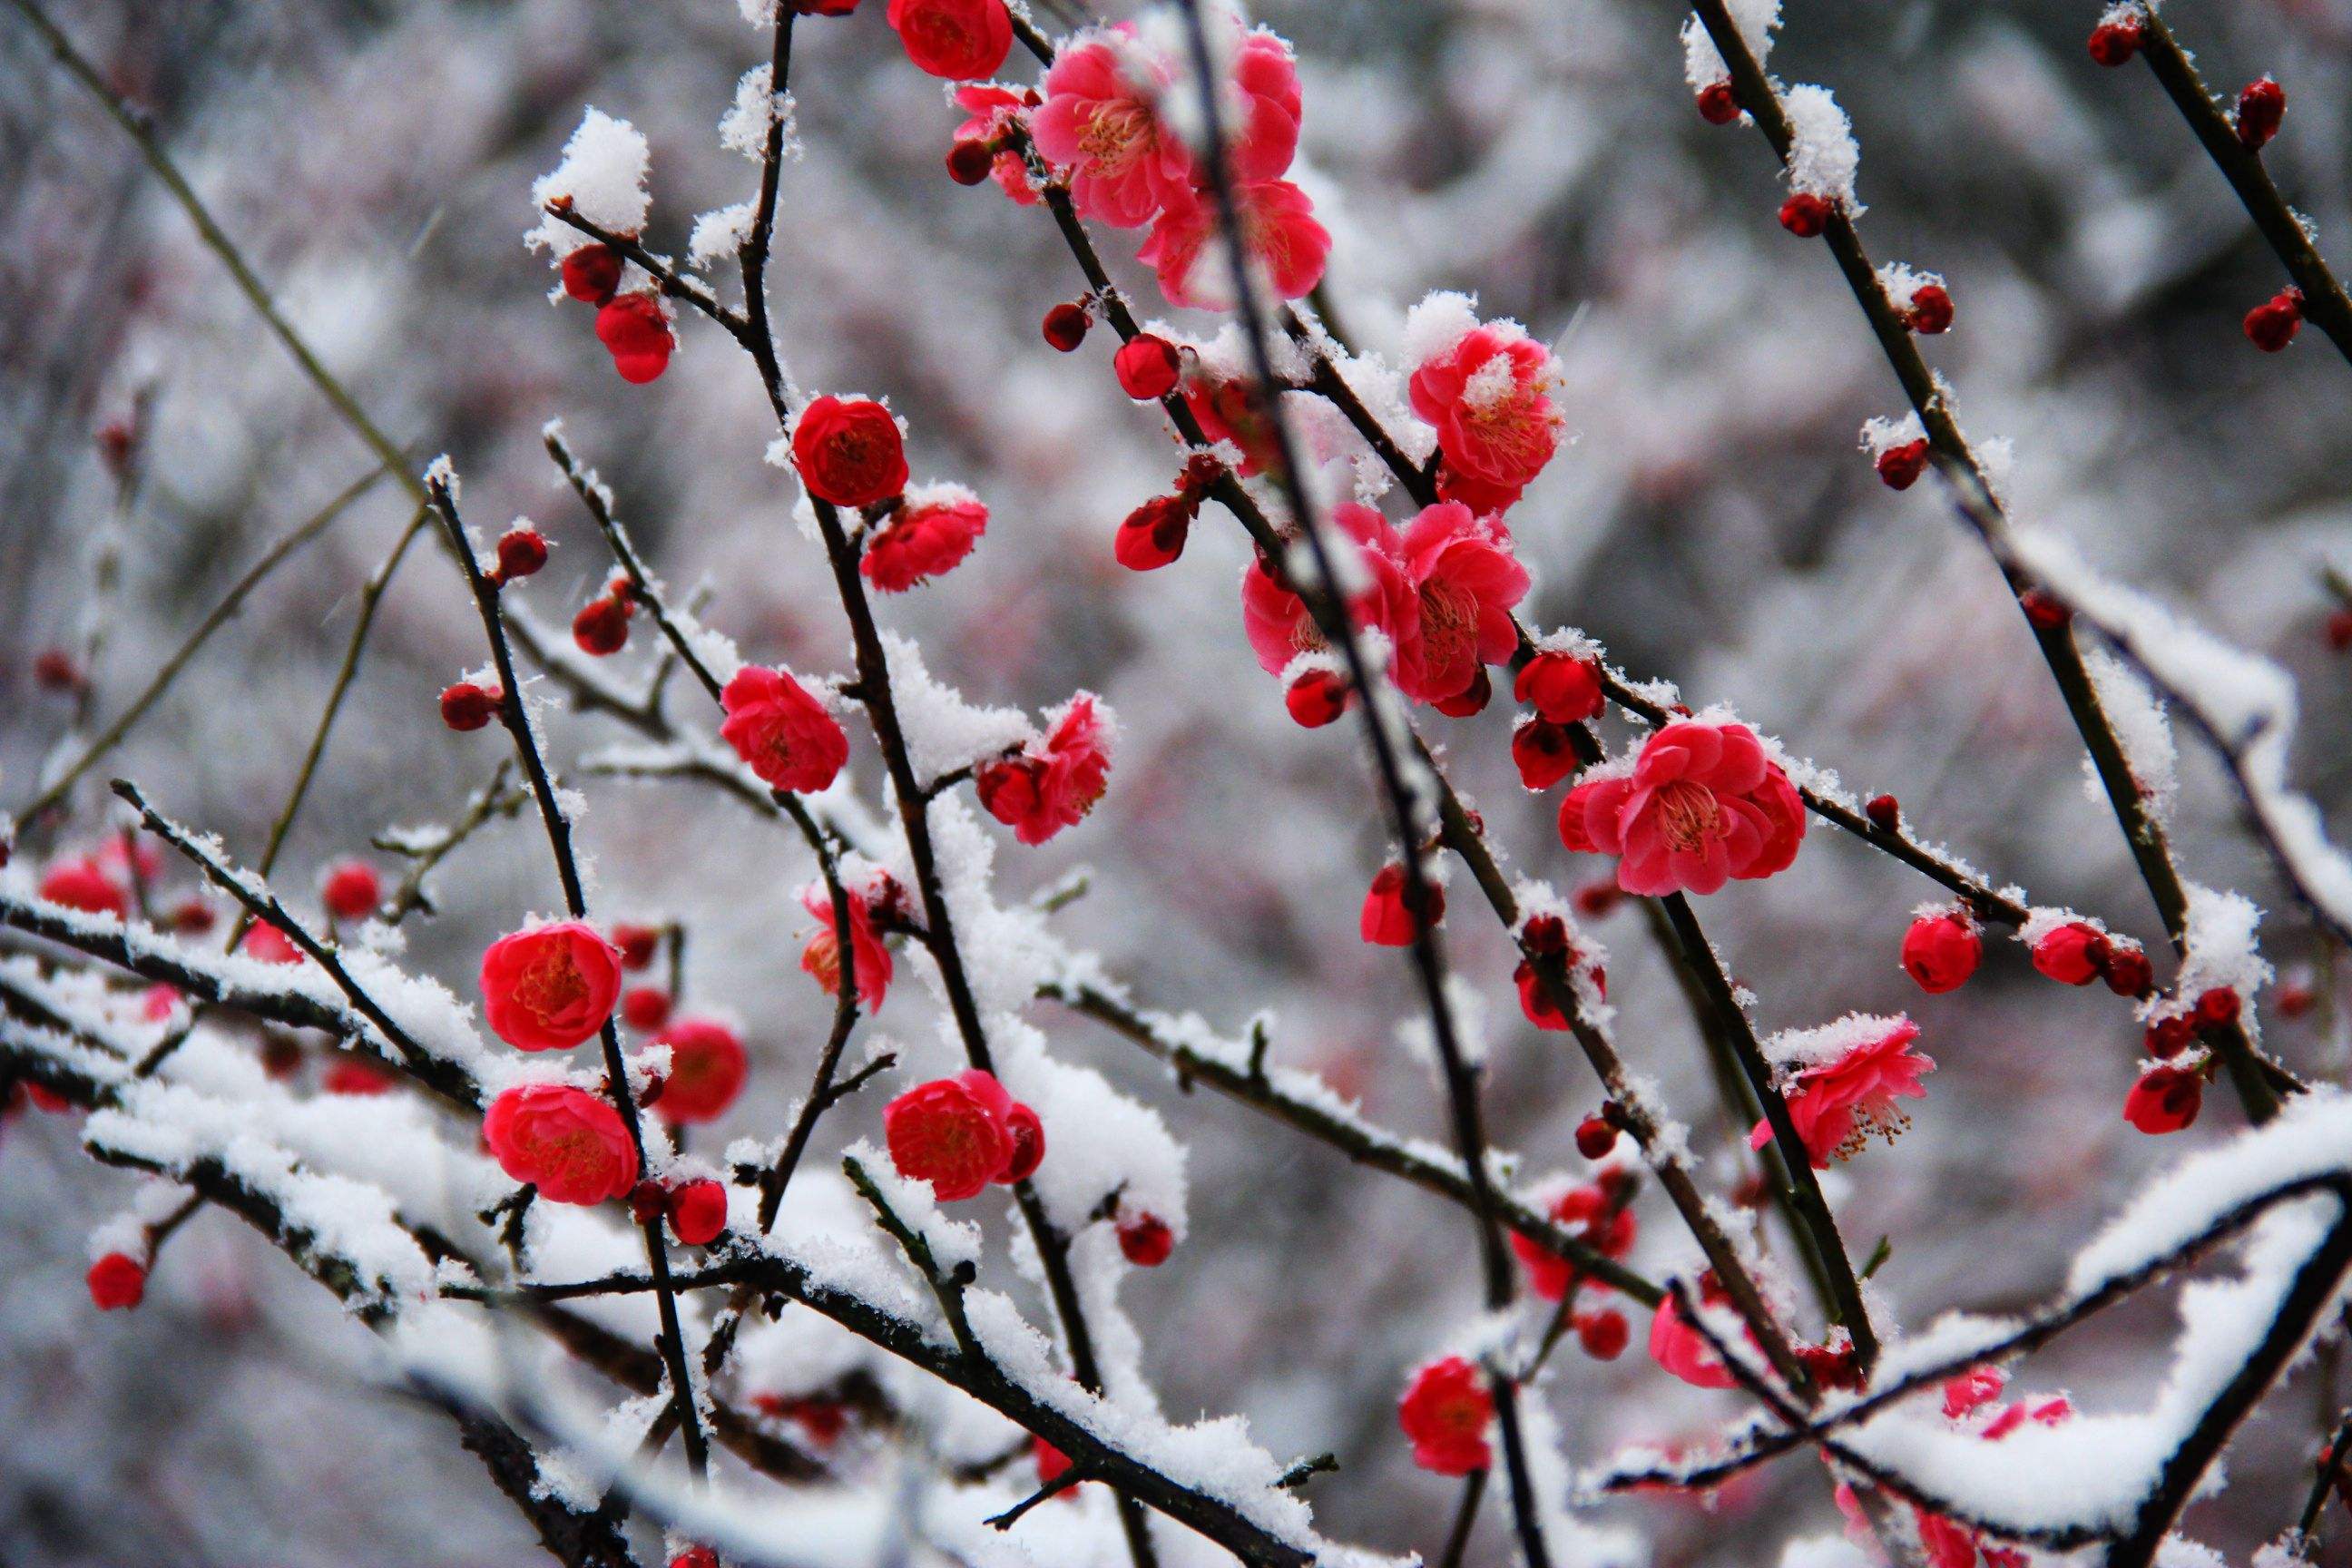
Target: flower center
column 1449, row 622
column 822, row 959
column 1510, row 429
column 1687, row 815
column 1116, row 135
column 551, row 984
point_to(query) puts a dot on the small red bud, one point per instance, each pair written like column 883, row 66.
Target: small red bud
column 467, row 706
column 636, row 944
column 351, row 890
column 1146, row 366
column 2128, row 972
column 697, row 1212
column 1900, row 467
column 1805, row 215
column 2045, row 613
column 117, row 1282
column 1603, row 1334
column 970, row 161
column 1597, row 898
column 2218, row 1008
column 648, row 1201
column 2272, row 325
column 55, row 670
column 1066, row 326
column 2339, row 630
column 1153, row 535
column 1595, row 1137
column 645, row 1008
column 1885, row 812
column 1931, row 310
column 1719, row 104
column 2168, row 1037
column 193, row 917
column 1317, row 698
column 2114, row 43
column 2293, row 999
column 2260, row 106
column 522, row 551
column 602, row 627
column 1145, row 1240
column 591, row 274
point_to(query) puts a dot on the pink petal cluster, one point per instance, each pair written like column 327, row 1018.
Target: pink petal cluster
column 992, row 109
column 570, row 1143
column 1125, row 168
column 1837, row 1105
column 1464, row 581
column 821, row 958
column 1488, row 397
column 1683, row 1351
column 929, row 537
column 1441, row 592
column 1702, row 805
column 962, row 1134
column 782, row 732
column 1051, row 783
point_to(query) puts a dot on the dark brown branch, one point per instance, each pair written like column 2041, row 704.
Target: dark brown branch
column 279, row 551
column 1972, row 496
column 558, row 823
column 2324, row 300
column 1359, row 1141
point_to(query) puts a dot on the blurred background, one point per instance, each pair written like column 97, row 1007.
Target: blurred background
column 1712, row 524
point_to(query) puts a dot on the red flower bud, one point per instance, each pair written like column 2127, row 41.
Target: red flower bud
column 602, row 627
column 117, row 1282
column 2170, row 1036
column 467, row 706
column 647, row 1202
column 1317, row 698
column 591, row 273
column 2043, row 611
column 1562, row 688
column 2260, row 106
column 2272, row 325
column 636, row 332
column 645, row 1007
column 2114, row 43
column 1940, row 952
column 522, row 551
column 2129, row 971
column 849, row 453
column 1146, row 366
column 697, row 1212
column 1885, row 812
column 55, row 670
column 353, row 890
column 2165, row 1099
column 2073, row 954
column 1066, row 326
column 1900, row 467
column 1805, row 215
column 2218, row 1008
column 1931, row 310
column 1719, row 104
column 1145, row 1240
column 1543, row 751
column 636, row 944
column 970, row 161
column 1153, row 535
column 1595, row 1137
column 1388, row 917
column 1603, row 1334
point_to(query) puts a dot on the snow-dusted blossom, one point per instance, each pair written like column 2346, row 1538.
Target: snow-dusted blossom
column 1701, row 805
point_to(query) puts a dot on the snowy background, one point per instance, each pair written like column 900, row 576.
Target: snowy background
column 1712, row 524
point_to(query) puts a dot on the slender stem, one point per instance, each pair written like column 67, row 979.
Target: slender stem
column 558, row 822
column 279, row 551
column 1803, row 1189
column 1465, row 1518
column 1972, row 496
column 2328, row 1474
column 136, row 125
column 370, row 594
column 2323, row 298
